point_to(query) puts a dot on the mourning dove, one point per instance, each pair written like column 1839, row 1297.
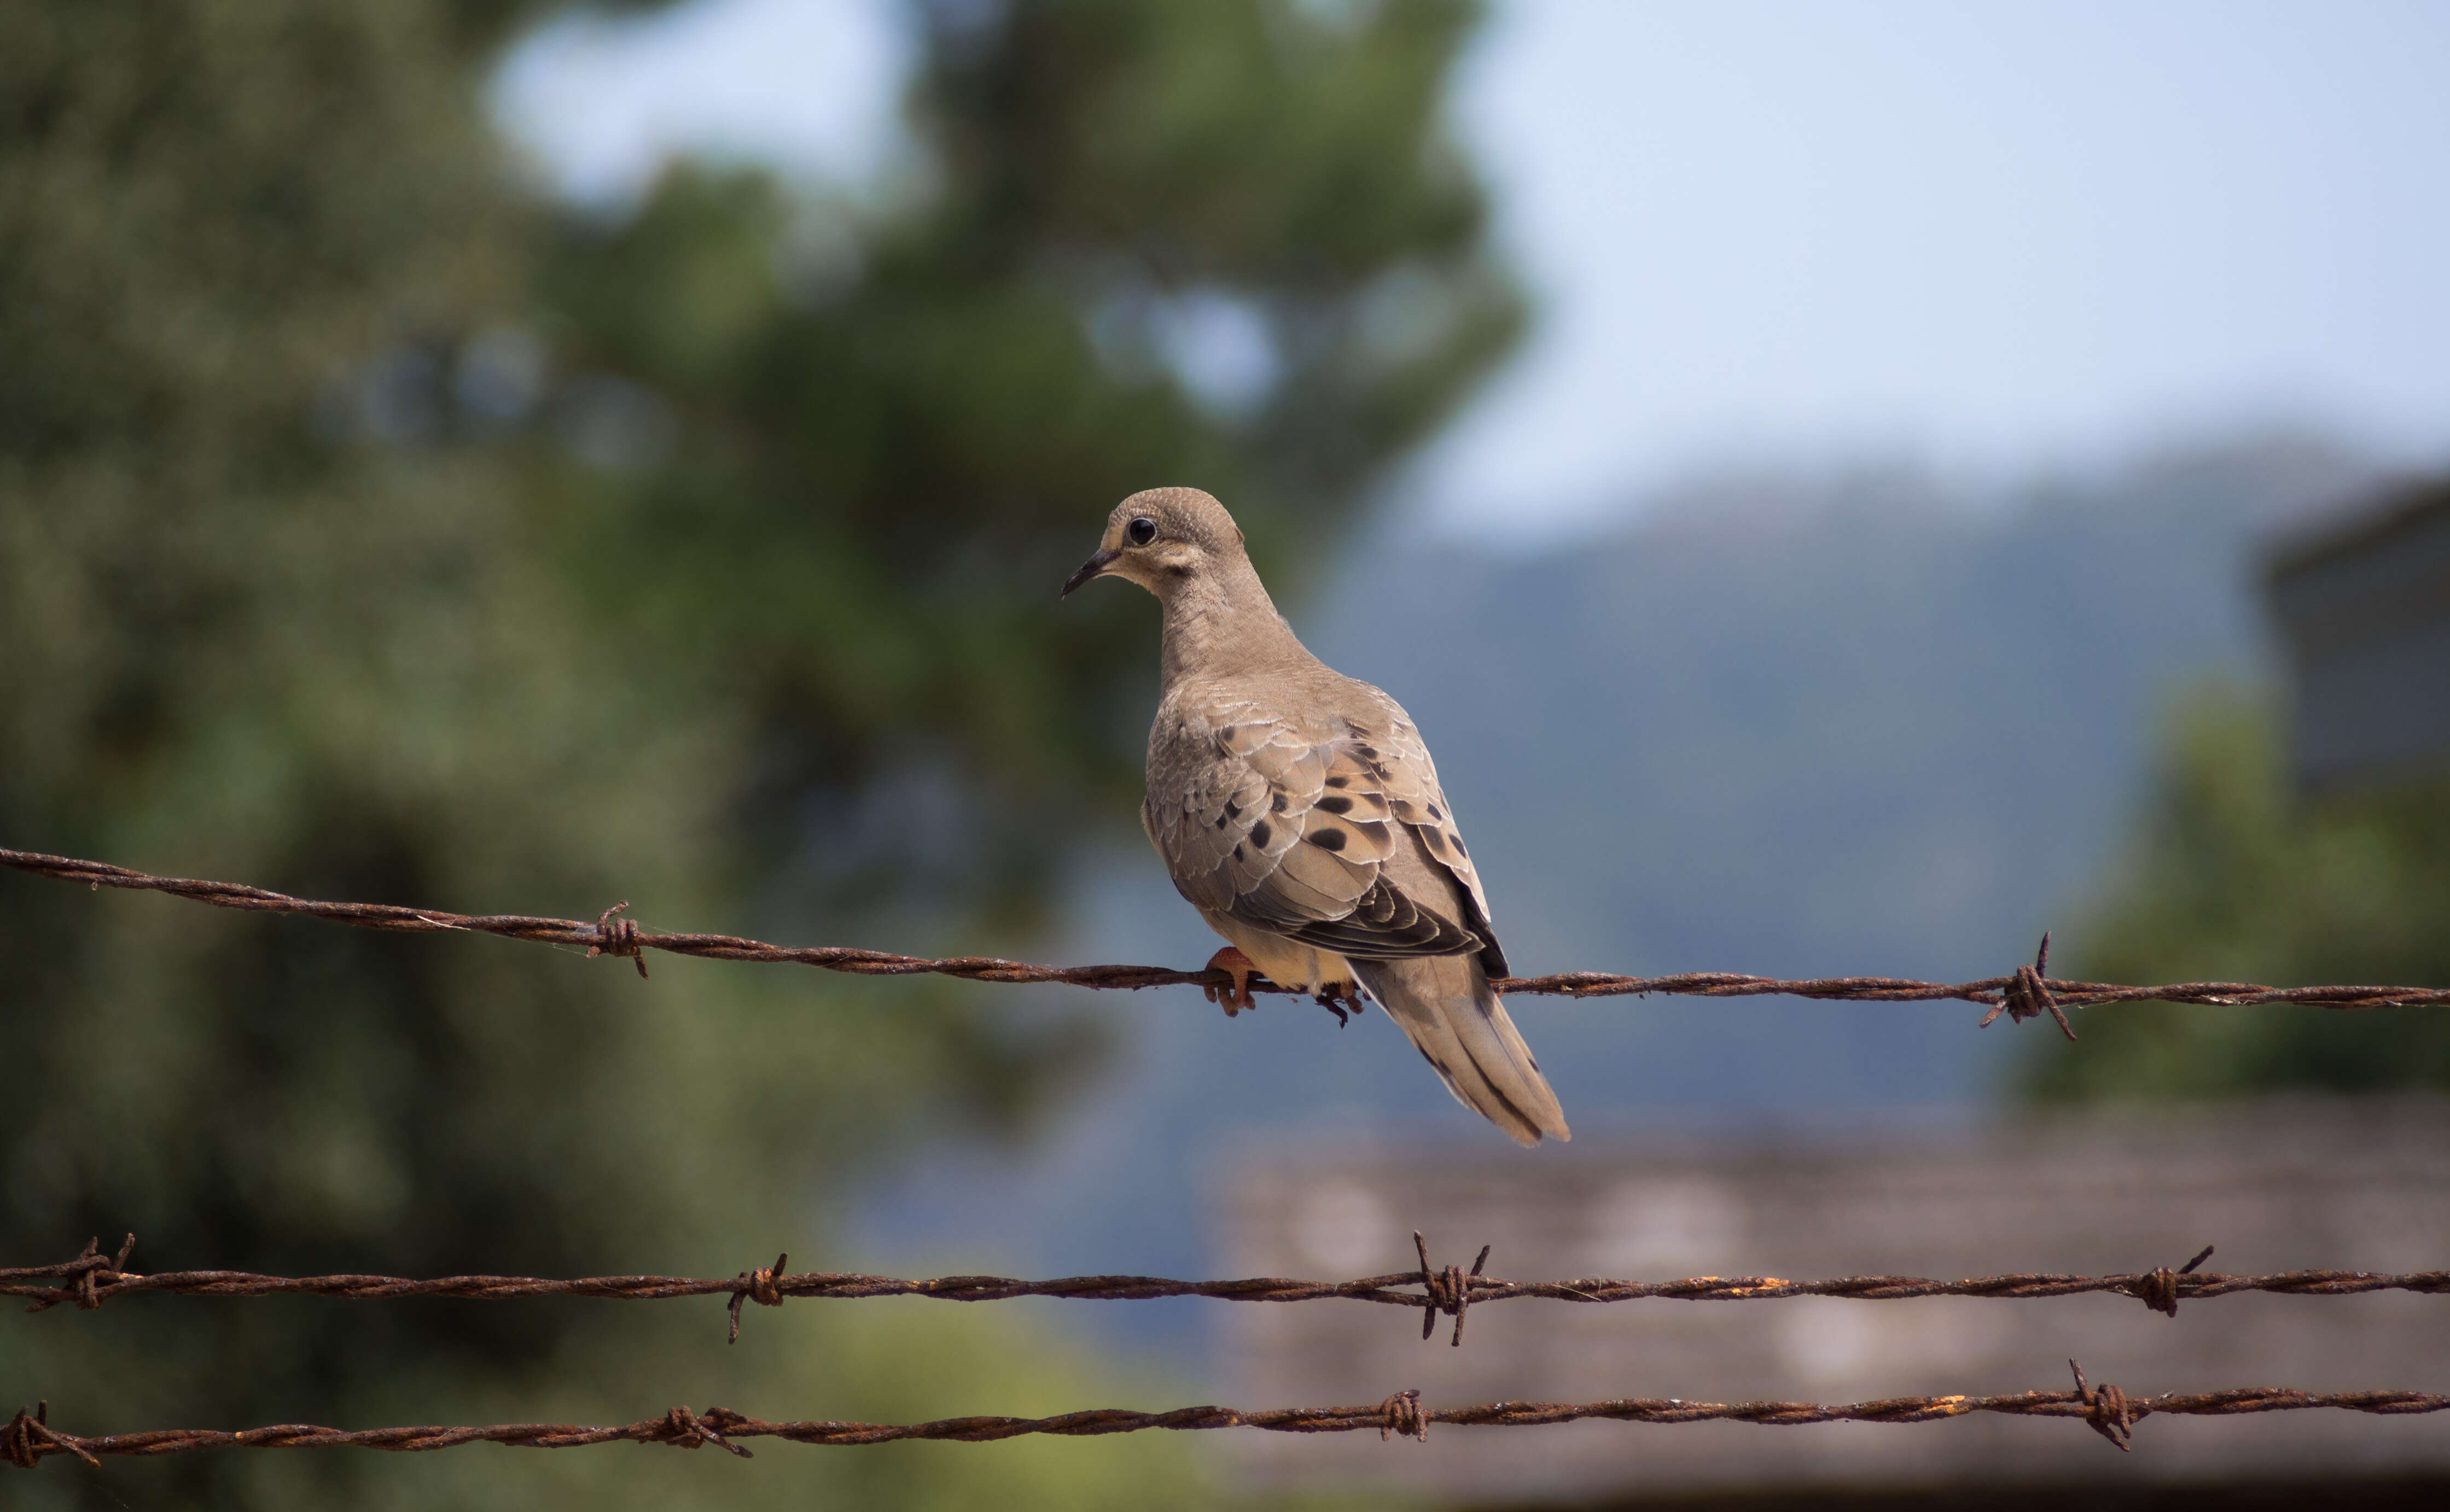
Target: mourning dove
column 1299, row 811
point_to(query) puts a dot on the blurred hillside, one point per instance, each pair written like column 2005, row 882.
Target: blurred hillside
column 1809, row 727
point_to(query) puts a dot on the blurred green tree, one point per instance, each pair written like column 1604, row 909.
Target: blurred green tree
column 368, row 530
column 2234, row 878
column 1226, row 244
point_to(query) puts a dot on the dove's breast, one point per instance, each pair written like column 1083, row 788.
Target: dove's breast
column 1227, row 779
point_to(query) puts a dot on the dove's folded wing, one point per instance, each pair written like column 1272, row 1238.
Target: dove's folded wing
column 1295, row 834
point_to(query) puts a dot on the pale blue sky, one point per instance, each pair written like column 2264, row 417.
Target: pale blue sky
column 1992, row 239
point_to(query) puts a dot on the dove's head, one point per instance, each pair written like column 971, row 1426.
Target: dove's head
column 1165, row 539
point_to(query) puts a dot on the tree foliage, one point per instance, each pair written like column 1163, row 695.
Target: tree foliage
column 889, row 439
column 367, row 530
column 2234, row 877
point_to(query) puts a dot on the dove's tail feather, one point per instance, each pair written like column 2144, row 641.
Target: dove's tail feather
column 1444, row 1005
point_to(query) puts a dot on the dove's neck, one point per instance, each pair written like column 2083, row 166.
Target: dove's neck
column 1222, row 623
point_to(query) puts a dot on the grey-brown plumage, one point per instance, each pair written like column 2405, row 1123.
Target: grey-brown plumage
column 1300, row 812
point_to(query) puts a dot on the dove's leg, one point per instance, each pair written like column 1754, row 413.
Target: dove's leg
column 1322, row 974
column 1342, row 999
column 1241, row 968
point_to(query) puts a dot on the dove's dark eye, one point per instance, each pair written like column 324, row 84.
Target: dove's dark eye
column 1141, row 530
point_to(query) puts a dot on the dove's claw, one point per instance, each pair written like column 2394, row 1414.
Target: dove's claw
column 1339, row 998
column 1241, row 968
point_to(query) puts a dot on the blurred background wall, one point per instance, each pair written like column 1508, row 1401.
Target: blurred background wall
column 1808, row 468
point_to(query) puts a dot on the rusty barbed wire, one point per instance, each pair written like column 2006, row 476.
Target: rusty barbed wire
column 93, row 1278
column 2026, row 995
column 1447, row 1291
column 30, row 1438
column 2014, row 993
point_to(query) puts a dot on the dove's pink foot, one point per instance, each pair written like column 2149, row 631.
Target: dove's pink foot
column 1242, row 968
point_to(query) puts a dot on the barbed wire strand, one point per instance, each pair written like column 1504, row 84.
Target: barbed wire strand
column 2021, row 995
column 30, row 1438
column 94, row 1278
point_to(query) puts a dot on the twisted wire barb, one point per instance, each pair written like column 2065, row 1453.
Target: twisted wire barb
column 30, row 1438
column 93, row 1278
column 2023, row 991
column 1447, row 1291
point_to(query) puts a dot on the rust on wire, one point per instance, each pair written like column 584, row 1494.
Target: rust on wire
column 2158, row 1290
column 30, row 1438
column 2111, row 1414
column 2028, row 995
column 1448, row 1290
column 1403, row 1414
column 617, row 937
column 92, row 1278
column 758, row 1287
column 84, row 1280
column 684, row 1430
column 624, row 937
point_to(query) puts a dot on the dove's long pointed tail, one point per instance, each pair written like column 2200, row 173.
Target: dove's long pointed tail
column 1445, row 1007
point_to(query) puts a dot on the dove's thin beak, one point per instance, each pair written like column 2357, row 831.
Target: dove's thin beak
column 1095, row 565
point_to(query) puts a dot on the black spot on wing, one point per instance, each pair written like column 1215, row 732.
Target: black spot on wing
column 1260, row 833
column 1334, row 804
column 1326, row 838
